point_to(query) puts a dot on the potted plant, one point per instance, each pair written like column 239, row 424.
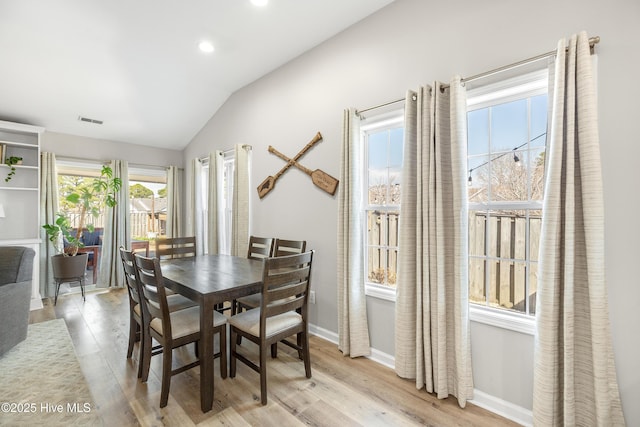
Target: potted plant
column 89, row 200
column 11, row 161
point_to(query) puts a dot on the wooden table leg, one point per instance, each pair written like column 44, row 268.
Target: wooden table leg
column 206, row 355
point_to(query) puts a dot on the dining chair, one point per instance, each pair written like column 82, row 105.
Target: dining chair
column 281, row 247
column 283, row 312
column 171, row 329
column 259, row 248
column 175, row 247
column 136, row 312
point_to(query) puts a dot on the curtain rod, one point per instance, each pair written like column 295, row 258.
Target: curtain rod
column 358, row 112
column 225, row 152
column 592, row 42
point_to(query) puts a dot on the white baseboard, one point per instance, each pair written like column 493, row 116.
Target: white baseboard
column 503, row 408
column 323, row 333
column 484, row 400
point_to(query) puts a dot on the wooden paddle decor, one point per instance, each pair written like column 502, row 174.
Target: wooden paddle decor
column 270, row 182
column 320, row 179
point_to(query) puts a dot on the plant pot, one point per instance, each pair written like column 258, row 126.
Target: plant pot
column 69, row 267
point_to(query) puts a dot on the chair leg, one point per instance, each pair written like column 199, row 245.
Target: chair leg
column 141, row 353
column 232, row 353
column 55, row 301
column 234, row 307
column 305, row 354
column 274, row 350
column 196, row 348
column 82, row 289
column 223, row 351
column 299, row 342
column 145, row 351
column 263, row 373
column 133, row 326
column 166, row 375
column 238, row 310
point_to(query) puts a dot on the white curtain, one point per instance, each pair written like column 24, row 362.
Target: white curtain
column 432, row 301
column 241, row 208
column 48, row 214
column 117, row 231
column 353, row 330
column 196, row 207
column 574, row 379
column 174, row 202
column 214, row 200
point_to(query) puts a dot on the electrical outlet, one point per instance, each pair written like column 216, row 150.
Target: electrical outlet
column 312, row 297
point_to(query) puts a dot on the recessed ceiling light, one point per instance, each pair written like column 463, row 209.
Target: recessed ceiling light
column 259, row 2
column 206, row 46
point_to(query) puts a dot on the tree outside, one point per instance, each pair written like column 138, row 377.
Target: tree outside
column 139, row 191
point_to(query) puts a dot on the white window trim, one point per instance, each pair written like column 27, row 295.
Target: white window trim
column 526, row 85
column 501, row 318
column 386, row 120
column 381, row 292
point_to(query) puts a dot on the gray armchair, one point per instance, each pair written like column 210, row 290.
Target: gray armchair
column 16, row 270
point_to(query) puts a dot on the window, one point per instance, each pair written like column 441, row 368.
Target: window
column 147, row 194
column 383, row 142
column 507, row 134
column 227, row 198
column 148, row 202
column 73, row 175
column 226, row 208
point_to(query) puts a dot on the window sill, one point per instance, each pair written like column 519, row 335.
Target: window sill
column 381, row 292
column 503, row 319
column 485, row 315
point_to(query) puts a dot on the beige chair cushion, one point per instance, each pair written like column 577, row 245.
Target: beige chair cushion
column 249, row 321
column 186, row 322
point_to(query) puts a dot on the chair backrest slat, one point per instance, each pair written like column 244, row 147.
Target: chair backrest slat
column 260, row 247
column 175, row 247
column 288, row 305
column 284, row 247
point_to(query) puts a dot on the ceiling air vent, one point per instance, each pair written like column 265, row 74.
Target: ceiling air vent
column 88, row 120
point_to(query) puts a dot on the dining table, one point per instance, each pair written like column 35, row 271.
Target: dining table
column 210, row 280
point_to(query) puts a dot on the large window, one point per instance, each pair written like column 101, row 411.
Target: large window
column 147, row 194
column 226, row 208
column 507, row 134
column 148, row 202
column 383, row 142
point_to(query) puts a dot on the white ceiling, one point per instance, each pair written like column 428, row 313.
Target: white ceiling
column 135, row 64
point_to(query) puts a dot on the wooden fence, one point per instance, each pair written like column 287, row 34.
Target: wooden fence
column 382, row 258
column 504, row 254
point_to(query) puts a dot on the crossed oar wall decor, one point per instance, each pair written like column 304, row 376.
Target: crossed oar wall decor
column 320, row 179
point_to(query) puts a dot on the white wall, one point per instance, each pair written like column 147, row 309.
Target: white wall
column 65, row 145
column 413, row 42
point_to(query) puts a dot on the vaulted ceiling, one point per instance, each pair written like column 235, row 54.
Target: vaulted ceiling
column 136, row 65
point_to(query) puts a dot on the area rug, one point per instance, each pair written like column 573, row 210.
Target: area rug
column 41, row 382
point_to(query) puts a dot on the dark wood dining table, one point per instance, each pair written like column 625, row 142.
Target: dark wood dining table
column 209, row 280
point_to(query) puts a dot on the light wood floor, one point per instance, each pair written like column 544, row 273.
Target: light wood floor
column 342, row 391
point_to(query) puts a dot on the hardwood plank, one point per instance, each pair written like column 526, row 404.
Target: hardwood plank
column 342, row 391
